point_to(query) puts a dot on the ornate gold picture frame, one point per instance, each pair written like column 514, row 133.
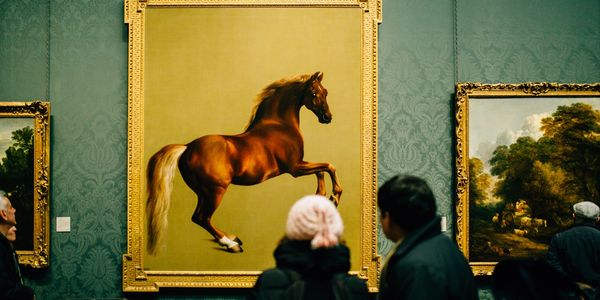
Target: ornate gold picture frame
column 194, row 68
column 25, row 176
column 520, row 152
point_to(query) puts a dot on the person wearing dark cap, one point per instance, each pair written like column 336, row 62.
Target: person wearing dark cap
column 425, row 264
column 576, row 251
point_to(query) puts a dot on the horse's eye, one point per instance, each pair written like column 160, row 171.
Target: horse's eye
column 314, row 95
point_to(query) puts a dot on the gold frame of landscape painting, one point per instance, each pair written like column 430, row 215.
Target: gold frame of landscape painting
column 199, row 67
column 25, row 128
column 518, row 167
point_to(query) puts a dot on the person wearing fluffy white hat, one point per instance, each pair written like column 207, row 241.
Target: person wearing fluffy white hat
column 312, row 261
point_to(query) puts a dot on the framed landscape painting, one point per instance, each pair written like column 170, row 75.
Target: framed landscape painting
column 203, row 74
column 525, row 154
column 25, row 176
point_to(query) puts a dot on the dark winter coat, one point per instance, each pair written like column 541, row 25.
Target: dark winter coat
column 576, row 253
column 10, row 277
column 316, row 267
column 427, row 265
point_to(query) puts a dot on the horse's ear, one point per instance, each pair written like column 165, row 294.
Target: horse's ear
column 317, row 76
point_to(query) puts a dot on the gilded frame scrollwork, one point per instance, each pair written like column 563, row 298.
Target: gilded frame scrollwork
column 135, row 277
column 468, row 91
column 39, row 256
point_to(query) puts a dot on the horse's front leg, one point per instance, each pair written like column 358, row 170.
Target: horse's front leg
column 337, row 188
column 307, row 168
column 320, row 183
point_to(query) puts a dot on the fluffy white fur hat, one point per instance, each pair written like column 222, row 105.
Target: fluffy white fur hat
column 314, row 218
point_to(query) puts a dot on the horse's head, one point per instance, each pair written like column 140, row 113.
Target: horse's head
column 315, row 98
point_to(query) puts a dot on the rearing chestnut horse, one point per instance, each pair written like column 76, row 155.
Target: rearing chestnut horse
column 271, row 145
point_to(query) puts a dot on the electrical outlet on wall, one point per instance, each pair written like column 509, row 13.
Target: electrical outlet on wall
column 63, row 224
column 443, row 224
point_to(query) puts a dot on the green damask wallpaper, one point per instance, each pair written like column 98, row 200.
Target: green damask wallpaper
column 420, row 60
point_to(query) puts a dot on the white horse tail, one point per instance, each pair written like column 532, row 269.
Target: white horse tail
column 161, row 169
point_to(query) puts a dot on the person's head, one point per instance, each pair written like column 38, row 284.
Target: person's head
column 586, row 211
column 405, row 202
column 7, row 211
column 314, row 218
column 531, row 279
column 11, row 235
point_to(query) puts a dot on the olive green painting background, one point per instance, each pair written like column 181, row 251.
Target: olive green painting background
column 419, row 62
column 203, row 70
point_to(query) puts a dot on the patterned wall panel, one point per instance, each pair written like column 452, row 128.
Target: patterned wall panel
column 23, row 49
column 415, row 95
column 89, row 92
column 498, row 41
column 516, row 41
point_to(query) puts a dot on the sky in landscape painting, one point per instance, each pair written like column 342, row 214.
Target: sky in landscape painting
column 500, row 121
column 7, row 126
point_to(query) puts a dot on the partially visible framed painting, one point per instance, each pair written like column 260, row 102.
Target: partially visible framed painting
column 25, row 175
column 291, row 85
column 525, row 153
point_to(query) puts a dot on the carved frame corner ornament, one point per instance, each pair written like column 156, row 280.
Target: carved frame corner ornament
column 135, row 277
column 39, row 256
column 469, row 90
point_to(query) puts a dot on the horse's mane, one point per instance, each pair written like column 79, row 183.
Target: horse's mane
column 268, row 92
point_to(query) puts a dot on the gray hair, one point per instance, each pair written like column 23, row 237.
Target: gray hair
column 3, row 204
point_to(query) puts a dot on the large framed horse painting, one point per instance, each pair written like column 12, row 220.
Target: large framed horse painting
column 236, row 110
column 526, row 153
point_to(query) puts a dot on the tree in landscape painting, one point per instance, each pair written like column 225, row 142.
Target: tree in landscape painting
column 16, row 179
column 576, row 132
column 534, row 185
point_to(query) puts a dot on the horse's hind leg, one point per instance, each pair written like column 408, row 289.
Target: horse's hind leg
column 208, row 202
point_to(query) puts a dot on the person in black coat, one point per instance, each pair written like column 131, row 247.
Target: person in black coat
column 311, row 253
column 425, row 264
column 531, row 279
column 575, row 252
column 11, row 284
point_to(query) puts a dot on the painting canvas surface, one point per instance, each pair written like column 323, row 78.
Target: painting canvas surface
column 203, row 70
column 530, row 160
column 16, row 174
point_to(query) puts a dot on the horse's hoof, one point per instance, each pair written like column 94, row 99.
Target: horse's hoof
column 237, row 240
column 334, row 199
column 235, row 249
column 233, row 238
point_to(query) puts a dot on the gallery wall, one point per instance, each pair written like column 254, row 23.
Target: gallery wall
column 424, row 48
